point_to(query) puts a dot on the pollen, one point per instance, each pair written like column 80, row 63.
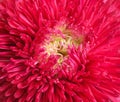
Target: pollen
column 60, row 41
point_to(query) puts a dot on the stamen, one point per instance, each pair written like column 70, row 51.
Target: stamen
column 59, row 42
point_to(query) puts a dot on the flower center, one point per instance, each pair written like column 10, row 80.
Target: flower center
column 60, row 40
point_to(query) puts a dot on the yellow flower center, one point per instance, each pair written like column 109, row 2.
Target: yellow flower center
column 58, row 43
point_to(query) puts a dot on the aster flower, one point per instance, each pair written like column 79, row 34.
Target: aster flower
column 59, row 51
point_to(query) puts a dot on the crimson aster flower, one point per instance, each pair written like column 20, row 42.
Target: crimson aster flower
column 59, row 51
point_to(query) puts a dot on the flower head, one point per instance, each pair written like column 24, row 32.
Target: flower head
column 59, row 51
